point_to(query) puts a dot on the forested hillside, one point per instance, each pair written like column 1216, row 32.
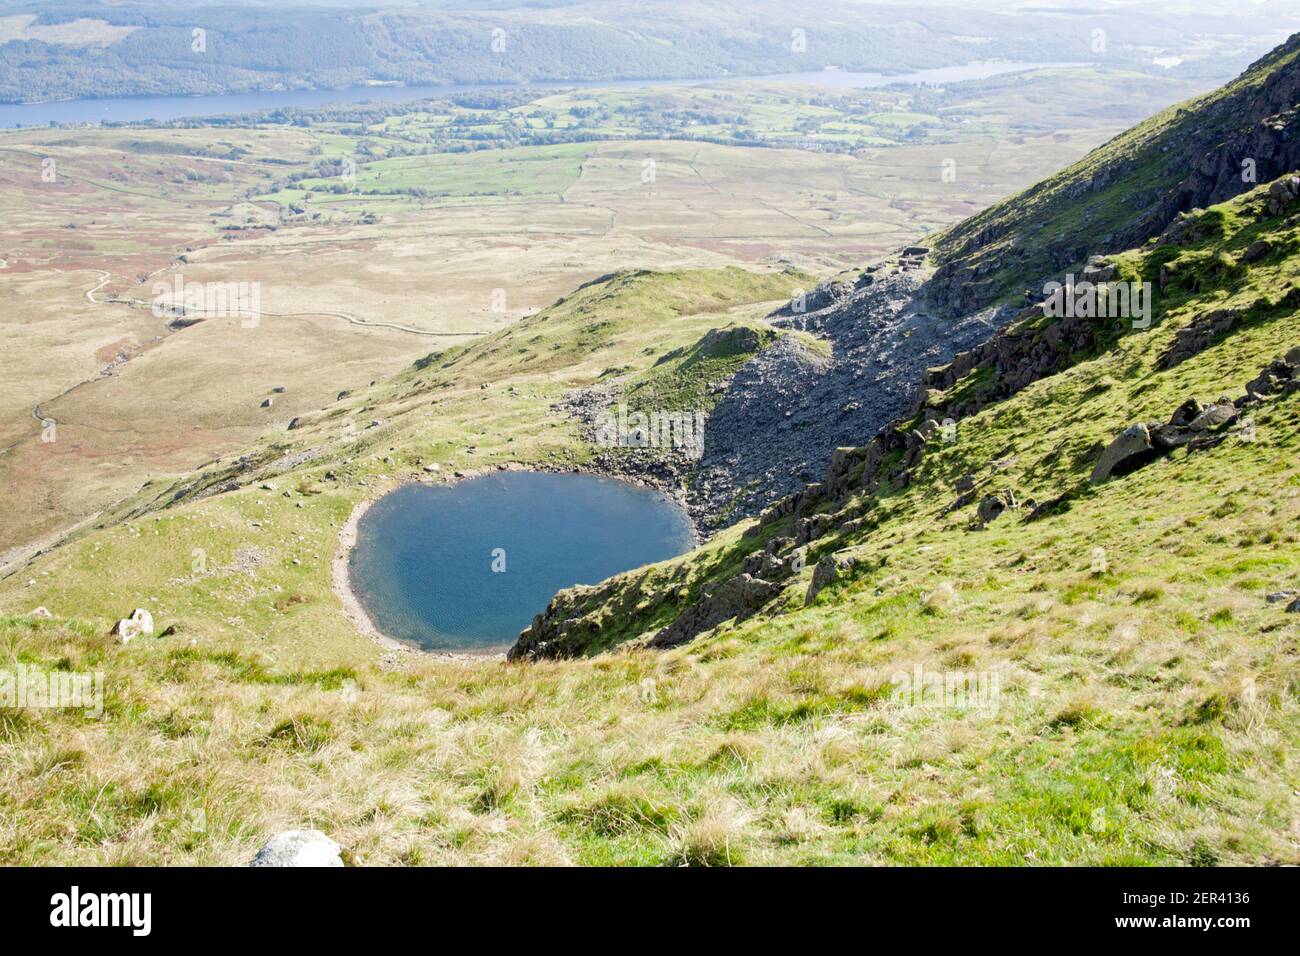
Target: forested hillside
column 73, row 49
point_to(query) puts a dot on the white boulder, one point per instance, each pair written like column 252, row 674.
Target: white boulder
column 140, row 622
column 299, row 848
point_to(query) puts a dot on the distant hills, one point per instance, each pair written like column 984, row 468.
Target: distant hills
column 67, row 50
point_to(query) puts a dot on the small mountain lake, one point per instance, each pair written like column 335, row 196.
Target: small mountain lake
column 465, row 567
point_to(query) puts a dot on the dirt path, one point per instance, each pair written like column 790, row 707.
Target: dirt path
column 351, row 319
column 104, row 278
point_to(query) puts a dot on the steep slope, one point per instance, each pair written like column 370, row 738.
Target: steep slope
column 1118, row 196
column 1107, row 681
column 1226, row 274
column 779, row 423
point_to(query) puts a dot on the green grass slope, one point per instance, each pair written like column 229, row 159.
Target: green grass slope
column 1191, row 155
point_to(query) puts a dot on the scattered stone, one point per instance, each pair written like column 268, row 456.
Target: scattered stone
column 1257, row 250
column 992, row 506
column 433, row 469
column 1186, row 413
column 299, row 848
column 1197, row 336
column 279, row 390
column 41, row 612
column 295, row 423
column 1274, row 377
column 267, row 402
column 942, row 598
column 1130, row 448
column 828, row 570
column 1215, row 416
column 1168, row 437
column 1098, row 269
column 1046, row 509
column 140, row 622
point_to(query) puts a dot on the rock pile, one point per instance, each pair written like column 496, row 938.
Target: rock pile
column 1195, row 426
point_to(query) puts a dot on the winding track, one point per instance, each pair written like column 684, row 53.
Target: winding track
column 351, row 319
column 105, row 277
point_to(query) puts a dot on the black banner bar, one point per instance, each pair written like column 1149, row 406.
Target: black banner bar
column 300, row 904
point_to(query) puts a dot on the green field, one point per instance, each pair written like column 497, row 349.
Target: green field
column 527, row 171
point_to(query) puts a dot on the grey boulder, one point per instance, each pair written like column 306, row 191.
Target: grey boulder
column 1131, row 447
column 828, row 569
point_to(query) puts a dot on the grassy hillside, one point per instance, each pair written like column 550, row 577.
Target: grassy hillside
column 466, row 408
column 1205, row 150
column 1142, row 693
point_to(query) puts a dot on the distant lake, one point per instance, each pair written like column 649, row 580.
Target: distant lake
column 466, row 566
column 124, row 109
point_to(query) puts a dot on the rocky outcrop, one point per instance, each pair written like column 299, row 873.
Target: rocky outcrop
column 1195, row 426
column 738, row 339
column 574, row 621
column 1017, row 356
column 737, row 598
column 1246, row 134
column 1197, row 336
